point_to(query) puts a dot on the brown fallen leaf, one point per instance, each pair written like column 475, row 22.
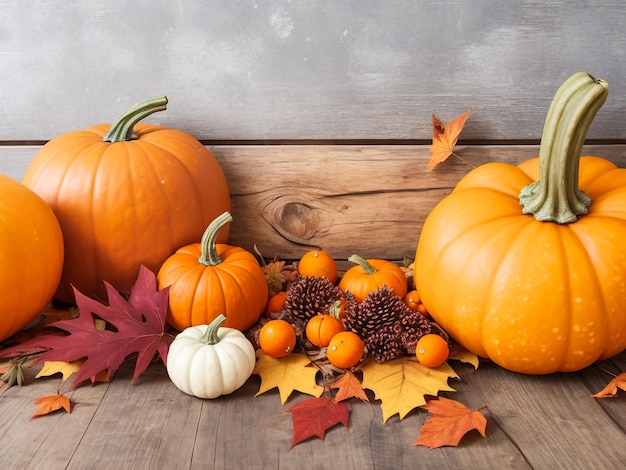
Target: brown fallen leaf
column 448, row 423
column 445, row 137
column 610, row 390
column 349, row 386
column 52, row 403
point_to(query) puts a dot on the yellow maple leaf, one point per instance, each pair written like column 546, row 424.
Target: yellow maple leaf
column 292, row 372
column 59, row 367
column 459, row 353
column 401, row 384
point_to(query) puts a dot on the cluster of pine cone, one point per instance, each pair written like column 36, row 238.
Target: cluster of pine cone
column 385, row 323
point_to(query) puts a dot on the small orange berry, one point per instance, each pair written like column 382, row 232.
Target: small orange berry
column 432, row 350
column 345, row 349
column 413, row 300
column 318, row 263
column 421, row 308
column 277, row 338
column 276, row 303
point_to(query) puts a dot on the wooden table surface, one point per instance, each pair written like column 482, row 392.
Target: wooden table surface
column 532, row 422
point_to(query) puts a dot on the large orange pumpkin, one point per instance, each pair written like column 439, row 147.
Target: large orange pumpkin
column 31, row 255
column 126, row 194
column 207, row 279
column 526, row 264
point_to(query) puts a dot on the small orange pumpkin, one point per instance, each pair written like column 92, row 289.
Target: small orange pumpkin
column 207, row 279
column 321, row 328
column 372, row 274
column 31, row 255
column 126, row 194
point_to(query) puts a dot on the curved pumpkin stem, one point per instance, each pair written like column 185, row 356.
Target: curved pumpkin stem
column 210, row 335
column 367, row 267
column 556, row 197
column 208, row 255
column 122, row 129
column 335, row 309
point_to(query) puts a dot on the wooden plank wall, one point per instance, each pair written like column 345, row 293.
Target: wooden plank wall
column 320, row 112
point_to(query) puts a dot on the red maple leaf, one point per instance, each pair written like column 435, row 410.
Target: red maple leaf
column 314, row 416
column 138, row 326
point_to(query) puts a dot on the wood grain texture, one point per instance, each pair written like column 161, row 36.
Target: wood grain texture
column 367, row 199
column 356, row 69
column 532, row 422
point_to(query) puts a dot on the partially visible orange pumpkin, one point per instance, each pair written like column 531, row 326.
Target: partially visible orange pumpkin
column 126, row 194
column 31, row 256
column 207, row 279
column 372, row 274
column 526, row 264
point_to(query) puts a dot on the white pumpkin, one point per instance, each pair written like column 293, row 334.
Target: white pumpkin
column 208, row 361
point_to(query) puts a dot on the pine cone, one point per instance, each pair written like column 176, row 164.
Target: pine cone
column 308, row 296
column 412, row 327
column 386, row 324
column 385, row 345
column 379, row 309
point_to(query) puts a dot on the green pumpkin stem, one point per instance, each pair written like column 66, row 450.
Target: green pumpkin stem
column 367, row 267
column 122, row 129
column 334, row 309
column 210, row 335
column 208, row 255
column 556, row 197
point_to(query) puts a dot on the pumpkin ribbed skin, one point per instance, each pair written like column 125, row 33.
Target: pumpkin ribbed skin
column 208, row 361
column 208, row 279
column 31, row 255
column 535, row 296
column 198, row 294
column 370, row 275
column 122, row 204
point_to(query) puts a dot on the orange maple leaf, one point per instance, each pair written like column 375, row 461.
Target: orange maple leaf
column 610, row 390
column 445, row 138
column 52, row 403
column 448, row 423
column 349, row 386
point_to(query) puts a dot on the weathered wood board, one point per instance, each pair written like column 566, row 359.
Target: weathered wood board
column 323, row 70
column 369, row 199
column 538, row 422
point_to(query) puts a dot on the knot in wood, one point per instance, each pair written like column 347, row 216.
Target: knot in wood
column 298, row 220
